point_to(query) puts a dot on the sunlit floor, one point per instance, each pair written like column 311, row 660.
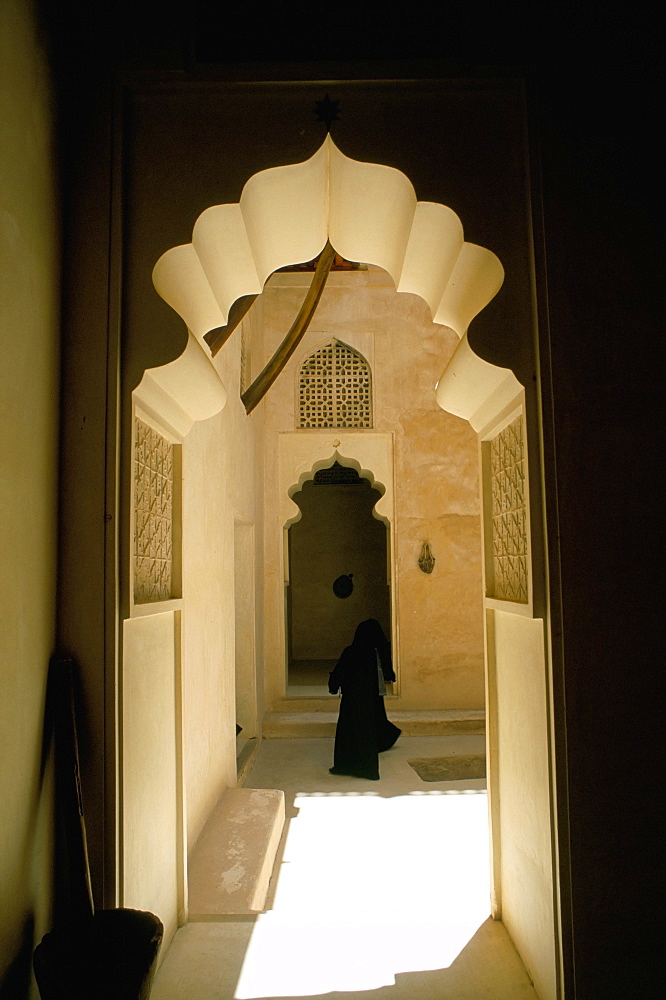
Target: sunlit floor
column 380, row 890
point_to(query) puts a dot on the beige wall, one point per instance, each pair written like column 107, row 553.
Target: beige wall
column 521, row 809
column 29, row 333
column 208, row 620
column 179, row 666
column 517, row 716
column 149, row 750
column 439, row 642
column 245, row 639
column 219, row 475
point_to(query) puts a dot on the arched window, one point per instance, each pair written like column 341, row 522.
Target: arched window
column 334, row 388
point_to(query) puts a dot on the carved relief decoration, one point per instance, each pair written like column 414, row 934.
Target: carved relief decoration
column 245, row 359
column 334, row 388
column 153, row 515
column 509, row 514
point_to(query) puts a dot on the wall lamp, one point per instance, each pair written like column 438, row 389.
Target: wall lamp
column 426, row 559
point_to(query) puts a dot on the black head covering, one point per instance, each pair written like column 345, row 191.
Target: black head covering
column 369, row 633
column 370, row 636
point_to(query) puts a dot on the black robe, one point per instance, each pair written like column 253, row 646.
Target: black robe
column 363, row 731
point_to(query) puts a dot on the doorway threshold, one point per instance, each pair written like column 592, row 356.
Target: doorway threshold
column 294, row 721
column 308, row 691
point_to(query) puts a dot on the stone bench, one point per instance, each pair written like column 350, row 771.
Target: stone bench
column 231, row 865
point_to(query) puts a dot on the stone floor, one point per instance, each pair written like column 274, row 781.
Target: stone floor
column 380, row 890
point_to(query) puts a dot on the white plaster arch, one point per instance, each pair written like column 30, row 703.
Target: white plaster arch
column 474, row 389
column 183, row 391
column 301, row 454
column 349, row 463
column 285, row 215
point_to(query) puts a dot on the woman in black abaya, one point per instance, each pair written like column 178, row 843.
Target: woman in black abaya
column 363, row 731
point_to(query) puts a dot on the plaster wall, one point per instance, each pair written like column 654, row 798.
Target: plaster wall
column 29, row 329
column 526, row 864
column 149, row 748
column 438, row 645
column 220, row 467
column 245, row 629
column 179, row 671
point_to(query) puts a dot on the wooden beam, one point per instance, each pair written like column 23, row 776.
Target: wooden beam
column 256, row 392
column 216, row 339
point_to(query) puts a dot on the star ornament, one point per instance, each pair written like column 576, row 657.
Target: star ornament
column 327, row 111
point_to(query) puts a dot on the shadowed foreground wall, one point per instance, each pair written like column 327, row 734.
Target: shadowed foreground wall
column 29, row 253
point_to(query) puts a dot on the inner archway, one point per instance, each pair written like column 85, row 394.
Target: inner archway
column 338, row 573
column 369, row 213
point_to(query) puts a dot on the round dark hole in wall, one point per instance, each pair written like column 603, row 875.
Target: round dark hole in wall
column 343, row 586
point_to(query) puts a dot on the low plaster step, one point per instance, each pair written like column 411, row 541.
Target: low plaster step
column 287, row 725
column 246, row 752
column 232, row 862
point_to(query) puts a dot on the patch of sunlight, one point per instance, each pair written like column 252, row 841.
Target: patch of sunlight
column 370, row 887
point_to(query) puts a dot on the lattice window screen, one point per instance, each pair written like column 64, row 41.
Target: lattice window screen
column 153, row 515
column 336, row 475
column 334, row 388
column 509, row 514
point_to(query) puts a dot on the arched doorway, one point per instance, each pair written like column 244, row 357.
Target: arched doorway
column 338, row 573
column 456, row 282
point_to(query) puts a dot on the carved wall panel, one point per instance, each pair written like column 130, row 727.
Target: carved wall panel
column 245, row 359
column 509, row 514
column 334, row 388
column 153, row 515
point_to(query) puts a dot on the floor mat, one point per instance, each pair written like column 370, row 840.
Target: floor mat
column 453, row 768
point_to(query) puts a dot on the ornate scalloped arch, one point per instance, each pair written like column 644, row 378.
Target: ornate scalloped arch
column 285, row 215
column 325, row 463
